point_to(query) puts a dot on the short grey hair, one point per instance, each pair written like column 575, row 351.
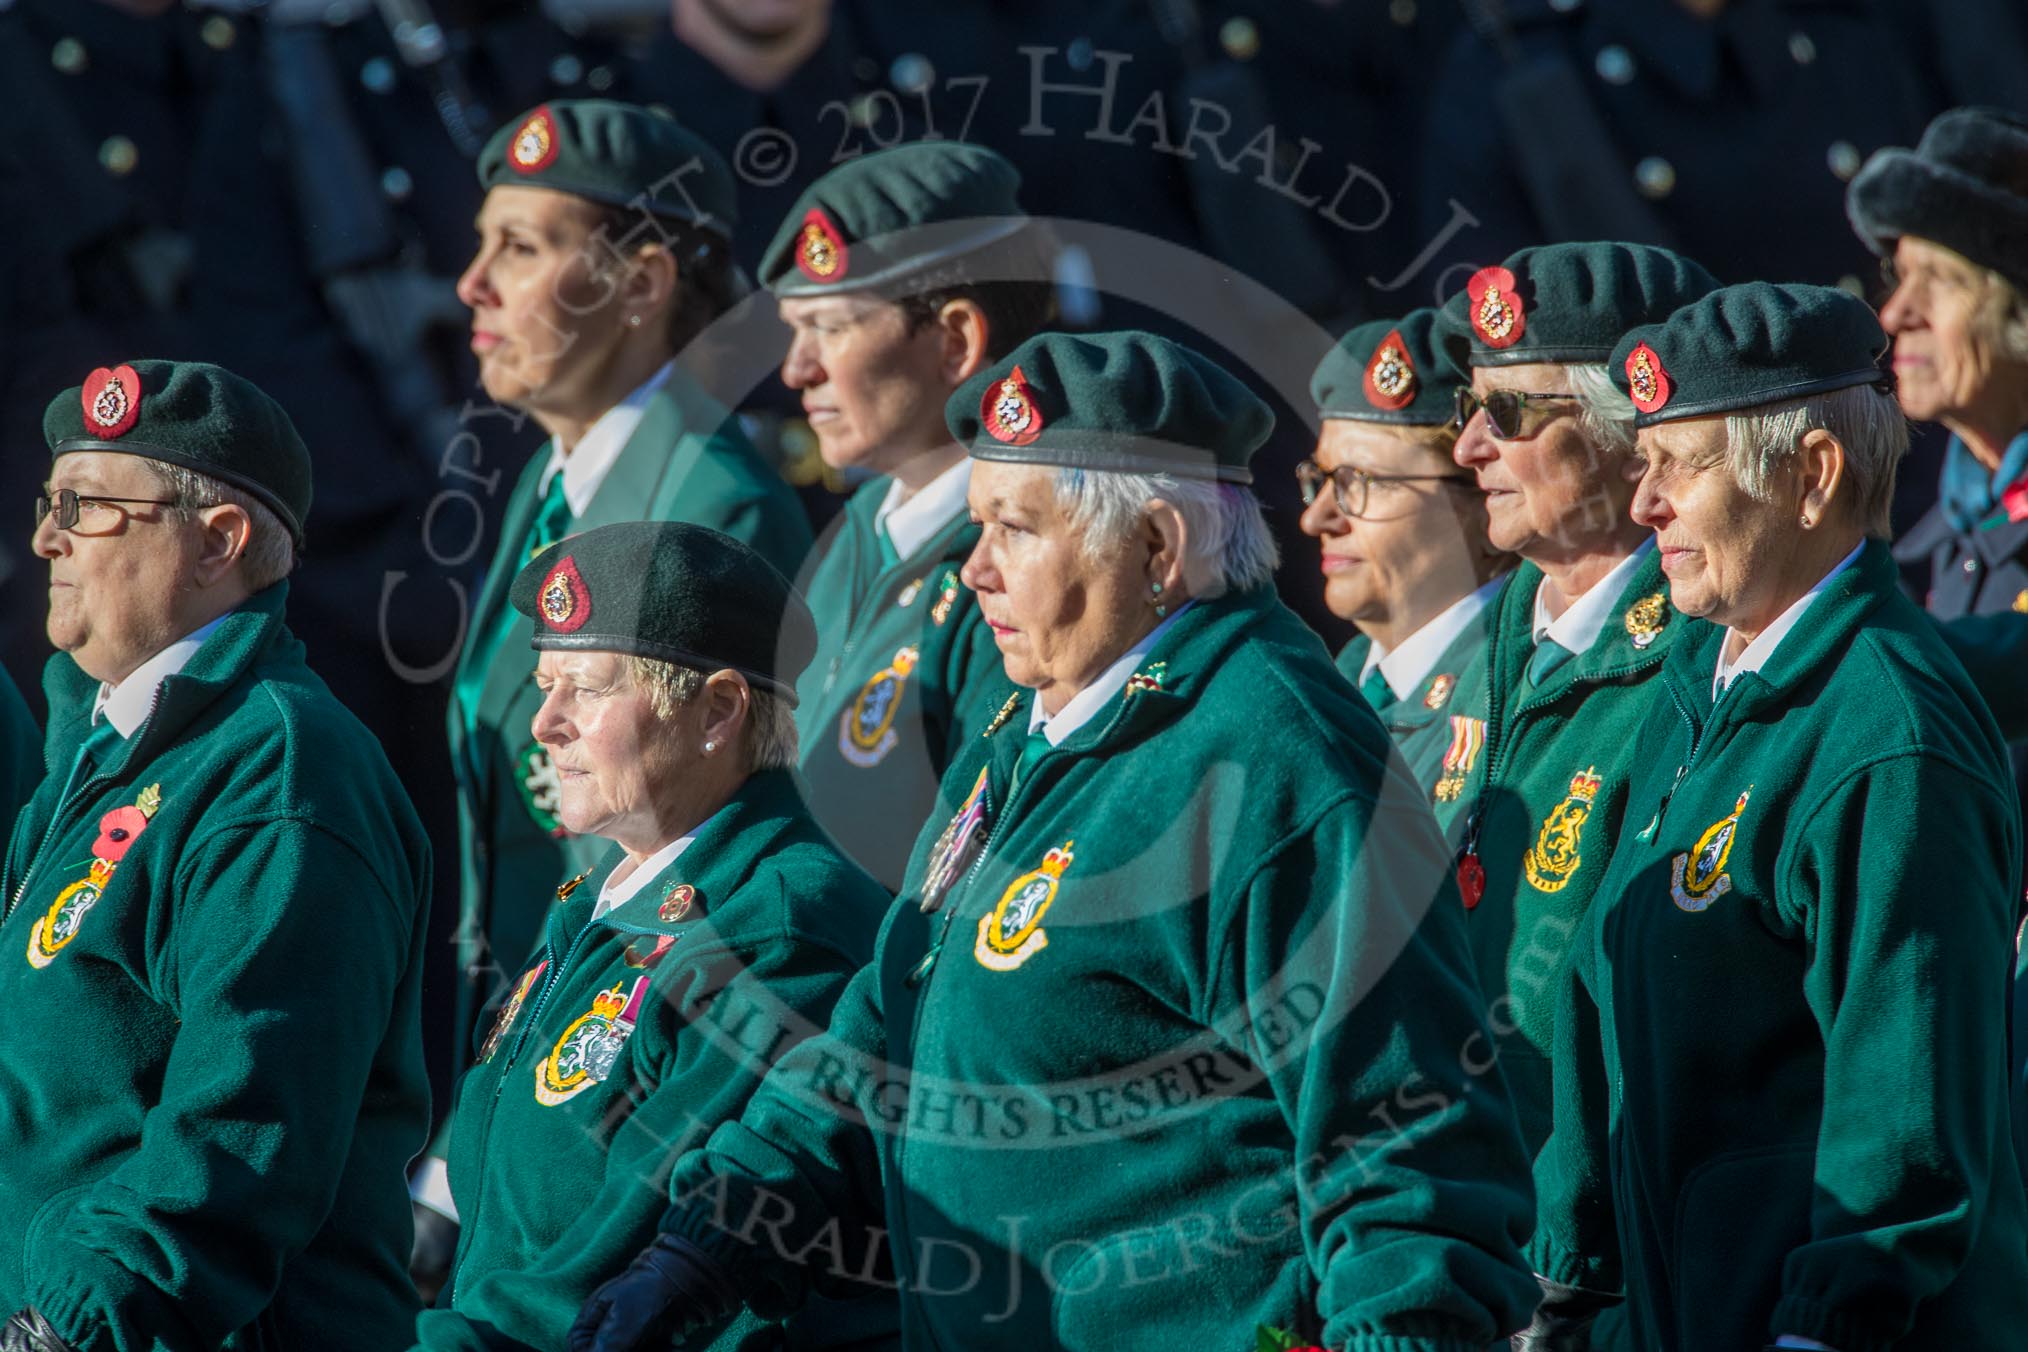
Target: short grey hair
column 1866, row 420
column 1605, row 413
column 270, row 553
column 1231, row 547
column 770, row 724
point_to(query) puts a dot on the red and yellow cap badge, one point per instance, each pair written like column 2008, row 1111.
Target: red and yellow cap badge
column 1647, row 380
column 564, row 602
column 534, row 146
column 820, row 248
column 1498, row 316
column 1009, row 412
column 1390, row 375
column 112, row 401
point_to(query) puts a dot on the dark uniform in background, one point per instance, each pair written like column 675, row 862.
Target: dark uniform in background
column 1729, row 138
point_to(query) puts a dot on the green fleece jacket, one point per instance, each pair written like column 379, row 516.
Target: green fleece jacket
column 1176, row 1056
column 210, row 1038
column 1542, row 809
column 686, row 461
column 905, row 671
column 1782, row 1101
column 1441, row 726
column 20, row 750
column 629, row 1038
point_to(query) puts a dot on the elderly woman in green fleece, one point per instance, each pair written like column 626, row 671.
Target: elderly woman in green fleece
column 717, row 929
column 1161, row 1046
column 1781, row 1102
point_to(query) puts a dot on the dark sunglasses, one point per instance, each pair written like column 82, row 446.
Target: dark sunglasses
column 66, row 502
column 1351, row 488
column 1503, row 408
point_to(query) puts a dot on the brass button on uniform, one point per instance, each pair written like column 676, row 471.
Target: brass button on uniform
column 118, row 156
column 912, row 73
column 1802, row 48
column 1655, row 177
column 1240, row 38
column 1402, row 12
column 68, row 56
column 1844, row 159
column 1615, row 65
column 218, row 33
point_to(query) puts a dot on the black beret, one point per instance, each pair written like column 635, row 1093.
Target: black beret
column 1965, row 186
column 1566, row 303
column 1387, row 371
column 878, row 219
column 1747, row 346
column 194, row 415
column 1129, row 402
column 620, row 154
column 671, row 591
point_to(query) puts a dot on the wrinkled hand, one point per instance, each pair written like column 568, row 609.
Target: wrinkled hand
column 28, row 1331
column 671, row 1289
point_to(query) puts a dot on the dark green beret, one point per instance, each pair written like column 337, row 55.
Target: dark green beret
column 1388, row 371
column 1965, row 186
column 1747, row 346
column 194, row 415
column 1566, row 303
column 1128, row 402
column 875, row 220
column 620, row 154
column 672, row 591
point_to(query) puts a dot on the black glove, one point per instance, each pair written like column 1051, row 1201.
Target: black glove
column 28, row 1331
column 671, row 1289
column 1562, row 1321
column 429, row 1258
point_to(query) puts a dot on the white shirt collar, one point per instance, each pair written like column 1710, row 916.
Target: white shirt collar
column 595, row 454
column 1578, row 627
column 1095, row 696
column 127, row 705
column 909, row 525
column 1756, row 654
column 1409, row 664
column 613, row 895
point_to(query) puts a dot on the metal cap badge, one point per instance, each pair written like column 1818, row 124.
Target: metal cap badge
column 535, row 143
column 1009, row 412
column 821, row 254
column 1390, row 375
column 564, row 600
column 1648, row 381
column 112, row 400
column 1498, row 316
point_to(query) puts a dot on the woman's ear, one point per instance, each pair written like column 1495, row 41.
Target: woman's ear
column 1166, row 538
column 1821, row 461
column 726, row 706
column 963, row 333
column 227, row 532
column 648, row 287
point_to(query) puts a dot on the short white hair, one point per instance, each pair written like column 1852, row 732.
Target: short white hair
column 770, row 725
column 1866, row 420
column 270, row 553
column 1604, row 411
column 1231, row 548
